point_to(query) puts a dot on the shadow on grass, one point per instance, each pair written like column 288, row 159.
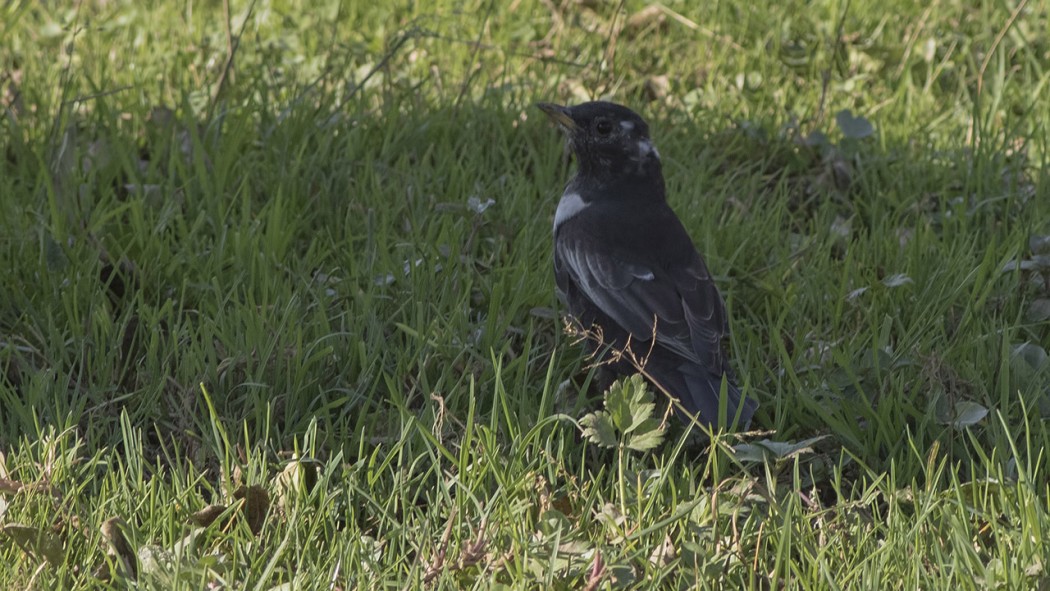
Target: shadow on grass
column 356, row 267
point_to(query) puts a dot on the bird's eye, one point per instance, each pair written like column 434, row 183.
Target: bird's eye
column 604, row 126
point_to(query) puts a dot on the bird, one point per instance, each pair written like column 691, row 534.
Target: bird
column 629, row 274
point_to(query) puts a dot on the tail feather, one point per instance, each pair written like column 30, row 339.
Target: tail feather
column 700, row 393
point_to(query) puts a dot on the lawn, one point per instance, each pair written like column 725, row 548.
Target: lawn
column 277, row 308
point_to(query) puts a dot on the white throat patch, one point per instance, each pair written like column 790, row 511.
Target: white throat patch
column 569, row 205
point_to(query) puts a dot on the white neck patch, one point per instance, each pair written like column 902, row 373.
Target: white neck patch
column 646, row 147
column 569, row 205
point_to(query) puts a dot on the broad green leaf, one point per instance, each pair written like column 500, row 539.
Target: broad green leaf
column 760, row 450
column 1038, row 311
column 648, row 435
column 816, row 139
column 641, row 403
column 1038, row 262
column 599, row 429
column 856, row 127
column 1028, row 363
column 1030, row 354
column 966, row 413
column 640, row 413
column 553, row 522
column 618, row 405
column 1039, row 244
column 749, row 452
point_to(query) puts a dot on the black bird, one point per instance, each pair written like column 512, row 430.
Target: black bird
column 623, row 260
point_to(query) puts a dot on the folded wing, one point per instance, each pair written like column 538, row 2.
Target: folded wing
column 683, row 302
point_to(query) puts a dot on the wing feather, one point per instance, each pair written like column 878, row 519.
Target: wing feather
column 689, row 314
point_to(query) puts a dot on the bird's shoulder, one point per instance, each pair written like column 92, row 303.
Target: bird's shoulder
column 637, row 233
column 641, row 250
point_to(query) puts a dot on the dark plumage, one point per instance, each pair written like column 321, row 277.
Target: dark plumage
column 622, row 259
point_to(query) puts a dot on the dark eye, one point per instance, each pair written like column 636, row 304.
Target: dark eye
column 603, row 126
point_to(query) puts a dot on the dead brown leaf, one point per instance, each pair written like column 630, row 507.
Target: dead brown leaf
column 206, row 516
column 113, row 530
column 10, row 487
column 665, row 553
column 652, row 16
column 38, row 542
column 256, row 505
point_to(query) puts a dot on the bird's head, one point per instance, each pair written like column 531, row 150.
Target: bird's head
column 609, row 140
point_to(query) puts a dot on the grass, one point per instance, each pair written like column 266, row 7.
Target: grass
column 275, row 294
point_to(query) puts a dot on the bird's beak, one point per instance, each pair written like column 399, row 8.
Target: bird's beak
column 559, row 115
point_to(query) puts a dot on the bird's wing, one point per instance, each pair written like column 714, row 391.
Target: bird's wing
column 683, row 301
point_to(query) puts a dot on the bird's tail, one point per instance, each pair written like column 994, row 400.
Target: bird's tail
column 700, row 393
